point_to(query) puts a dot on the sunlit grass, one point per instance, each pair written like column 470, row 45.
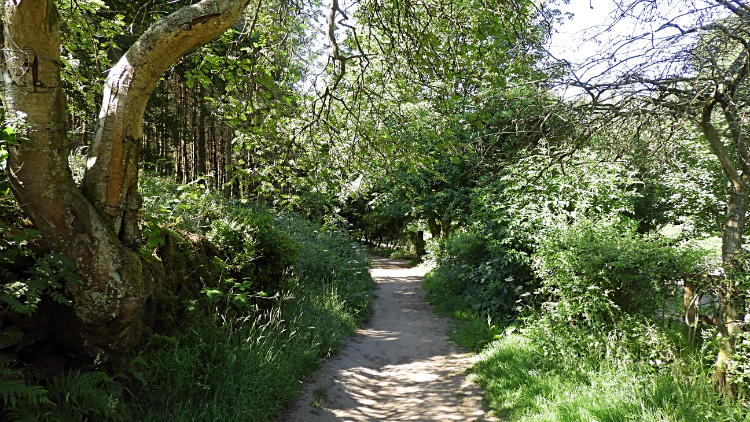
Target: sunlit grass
column 521, row 384
column 228, row 363
column 246, row 368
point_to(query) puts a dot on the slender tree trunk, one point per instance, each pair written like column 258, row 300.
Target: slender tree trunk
column 192, row 133
column 228, row 166
column 201, row 135
column 690, row 299
column 445, row 225
column 728, row 318
column 211, row 150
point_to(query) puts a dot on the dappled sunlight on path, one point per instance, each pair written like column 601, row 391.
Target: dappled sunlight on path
column 399, row 367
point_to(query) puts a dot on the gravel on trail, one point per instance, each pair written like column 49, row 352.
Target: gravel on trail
column 399, row 366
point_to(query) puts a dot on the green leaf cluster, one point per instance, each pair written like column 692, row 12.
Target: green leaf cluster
column 488, row 279
column 48, row 275
column 595, row 272
column 69, row 397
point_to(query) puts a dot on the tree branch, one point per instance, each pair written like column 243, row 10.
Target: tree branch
column 110, row 182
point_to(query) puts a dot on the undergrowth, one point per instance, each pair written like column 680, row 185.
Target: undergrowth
column 522, row 384
column 392, row 252
column 597, row 337
column 255, row 301
column 308, row 287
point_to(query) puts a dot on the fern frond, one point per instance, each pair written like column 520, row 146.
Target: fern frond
column 17, row 394
column 83, row 395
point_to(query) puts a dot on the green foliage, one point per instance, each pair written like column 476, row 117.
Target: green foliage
column 18, row 394
column 490, row 279
column 13, row 243
column 283, row 294
column 286, row 293
column 521, row 383
column 90, row 396
column 257, row 251
column 530, row 201
column 383, row 251
column 9, row 129
column 740, row 370
column 670, row 194
column 593, row 272
column 328, row 258
column 401, row 253
column 7, row 138
column 320, row 395
column 388, row 252
column 573, row 250
column 246, row 365
column 87, row 396
column 47, row 276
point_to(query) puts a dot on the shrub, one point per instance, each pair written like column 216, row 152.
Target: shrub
column 491, row 279
column 401, row 254
column 594, row 273
column 256, row 250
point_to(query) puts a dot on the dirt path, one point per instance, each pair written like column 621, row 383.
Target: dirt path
column 399, row 367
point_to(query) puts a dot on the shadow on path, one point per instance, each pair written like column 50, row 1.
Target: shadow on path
column 398, row 368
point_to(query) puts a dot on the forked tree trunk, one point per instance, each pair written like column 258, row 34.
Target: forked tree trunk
column 96, row 226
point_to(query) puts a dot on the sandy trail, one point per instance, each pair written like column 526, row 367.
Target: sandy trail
column 399, row 367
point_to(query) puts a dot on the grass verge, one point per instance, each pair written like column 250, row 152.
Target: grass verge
column 521, row 384
column 524, row 382
column 242, row 367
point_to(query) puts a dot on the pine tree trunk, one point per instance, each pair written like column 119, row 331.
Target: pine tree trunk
column 201, row 136
column 228, row 166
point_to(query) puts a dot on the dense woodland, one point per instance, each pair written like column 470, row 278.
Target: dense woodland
column 189, row 187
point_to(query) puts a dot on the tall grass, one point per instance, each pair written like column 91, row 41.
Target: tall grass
column 521, row 384
column 242, row 367
column 229, row 363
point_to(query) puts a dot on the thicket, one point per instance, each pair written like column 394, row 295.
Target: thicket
column 252, row 301
column 573, row 293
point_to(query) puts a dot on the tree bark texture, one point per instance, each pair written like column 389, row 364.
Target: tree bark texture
column 737, row 170
column 728, row 316
column 96, row 226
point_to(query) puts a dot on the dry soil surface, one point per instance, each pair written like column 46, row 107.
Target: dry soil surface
column 399, row 367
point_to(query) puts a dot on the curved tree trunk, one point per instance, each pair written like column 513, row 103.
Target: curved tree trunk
column 96, row 226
